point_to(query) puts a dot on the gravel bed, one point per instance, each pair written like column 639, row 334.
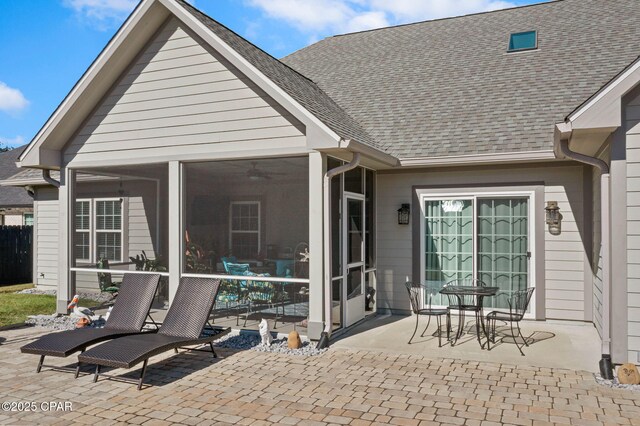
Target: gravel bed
column 60, row 322
column 615, row 383
column 252, row 342
column 97, row 297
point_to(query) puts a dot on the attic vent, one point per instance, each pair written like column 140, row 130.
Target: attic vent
column 523, row 41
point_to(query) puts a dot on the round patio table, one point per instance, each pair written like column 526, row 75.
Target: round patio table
column 460, row 291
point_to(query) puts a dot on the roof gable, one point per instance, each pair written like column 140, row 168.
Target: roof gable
column 322, row 116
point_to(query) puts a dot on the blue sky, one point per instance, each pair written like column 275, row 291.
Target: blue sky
column 46, row 45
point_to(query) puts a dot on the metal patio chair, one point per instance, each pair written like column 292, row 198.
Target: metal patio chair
column 415, row 293
column 518, row 302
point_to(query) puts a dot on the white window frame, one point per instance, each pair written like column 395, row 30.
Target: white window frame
column 93, row 231
column 24, row 219
column 259, row 231
column 88, row 231
column 465, row 195
column 107, row 231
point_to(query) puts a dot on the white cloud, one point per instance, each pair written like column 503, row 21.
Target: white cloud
column 339, row 16
column 102, row 13
column 11, row 142
column 411, row 10
column 11, row 100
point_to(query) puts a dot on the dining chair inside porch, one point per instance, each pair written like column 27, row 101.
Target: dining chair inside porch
column 416, row 291
column 465, row 303
column 518, row 302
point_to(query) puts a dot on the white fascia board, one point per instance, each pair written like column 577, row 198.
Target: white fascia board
column 368, row 151
column 464, row 160
column 604, row 110
column 31, row 158
column 255, row 75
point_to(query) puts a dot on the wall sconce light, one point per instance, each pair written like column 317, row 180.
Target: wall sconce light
column 554, row 218
column 403, row 214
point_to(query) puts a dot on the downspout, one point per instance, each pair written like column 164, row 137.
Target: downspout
column 46, row 175
column 328, row 308
column 605, row 203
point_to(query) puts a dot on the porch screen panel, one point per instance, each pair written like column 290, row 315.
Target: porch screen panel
column 448, row 242
column 503, row 245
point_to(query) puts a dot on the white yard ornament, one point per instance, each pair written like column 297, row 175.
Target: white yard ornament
column 452, row 206
column 265, row 334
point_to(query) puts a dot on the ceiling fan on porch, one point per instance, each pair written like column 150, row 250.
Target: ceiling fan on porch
column 256, row 174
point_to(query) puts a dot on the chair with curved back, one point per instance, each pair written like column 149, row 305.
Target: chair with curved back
column 465, row 303
column 415, row 294
column 518, row 302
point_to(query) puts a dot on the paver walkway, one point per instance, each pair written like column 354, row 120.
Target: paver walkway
column 339, row 387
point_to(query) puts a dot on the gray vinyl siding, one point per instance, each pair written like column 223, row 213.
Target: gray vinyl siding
column 179, row 96
column 633, row 227
column 46, row 216
column 564, row 256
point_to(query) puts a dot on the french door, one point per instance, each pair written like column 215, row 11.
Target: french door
column 486, row 237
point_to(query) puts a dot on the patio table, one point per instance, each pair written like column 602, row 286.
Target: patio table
column 479, row 293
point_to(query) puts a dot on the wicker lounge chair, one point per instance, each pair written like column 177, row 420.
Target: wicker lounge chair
column 183, row 326
column 127, row 317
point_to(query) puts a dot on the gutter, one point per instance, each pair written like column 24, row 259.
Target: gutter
column 328, row 244
column 565, row 131
column 46, row 175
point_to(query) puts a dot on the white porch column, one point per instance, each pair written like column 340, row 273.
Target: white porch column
column 317, row 168
column 66, row 285
column 175, row 226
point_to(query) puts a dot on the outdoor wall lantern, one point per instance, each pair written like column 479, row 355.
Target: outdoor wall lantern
column 403, row 214
column 554, row 218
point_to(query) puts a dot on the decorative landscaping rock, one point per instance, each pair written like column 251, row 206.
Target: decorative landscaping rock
column 615, row 384
column 60, row 322
column 253, row 342
column 293, row 341
column 98, row 297
column 628, row 374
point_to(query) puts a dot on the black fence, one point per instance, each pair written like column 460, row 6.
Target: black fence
column 16, row 254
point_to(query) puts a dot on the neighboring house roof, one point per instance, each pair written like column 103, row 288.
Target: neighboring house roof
column 448, row 87
column 28, row 177
column 12, row 197
column 299, row 87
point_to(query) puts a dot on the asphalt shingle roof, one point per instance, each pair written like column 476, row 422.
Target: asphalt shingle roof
column 12, row 197
column 300, row 88
column 449, row 87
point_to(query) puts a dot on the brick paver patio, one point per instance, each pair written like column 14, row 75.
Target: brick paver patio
column 339, row 387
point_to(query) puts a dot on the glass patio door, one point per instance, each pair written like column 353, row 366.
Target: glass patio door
column 353, row 256
column 477, row 237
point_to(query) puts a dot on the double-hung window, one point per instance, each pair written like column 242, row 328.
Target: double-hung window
column 98, row 226
column 244, row 229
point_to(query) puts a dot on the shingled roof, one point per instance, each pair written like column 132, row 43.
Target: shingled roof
column 300, row 88
column 449, row 87
column 12, row 197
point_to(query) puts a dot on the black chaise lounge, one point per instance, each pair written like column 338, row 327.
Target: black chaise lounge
column 127, row 317
column 183, row 326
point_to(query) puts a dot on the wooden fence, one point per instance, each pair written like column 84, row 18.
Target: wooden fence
column 16, row 254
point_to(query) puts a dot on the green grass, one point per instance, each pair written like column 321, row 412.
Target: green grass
column 15, row 308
